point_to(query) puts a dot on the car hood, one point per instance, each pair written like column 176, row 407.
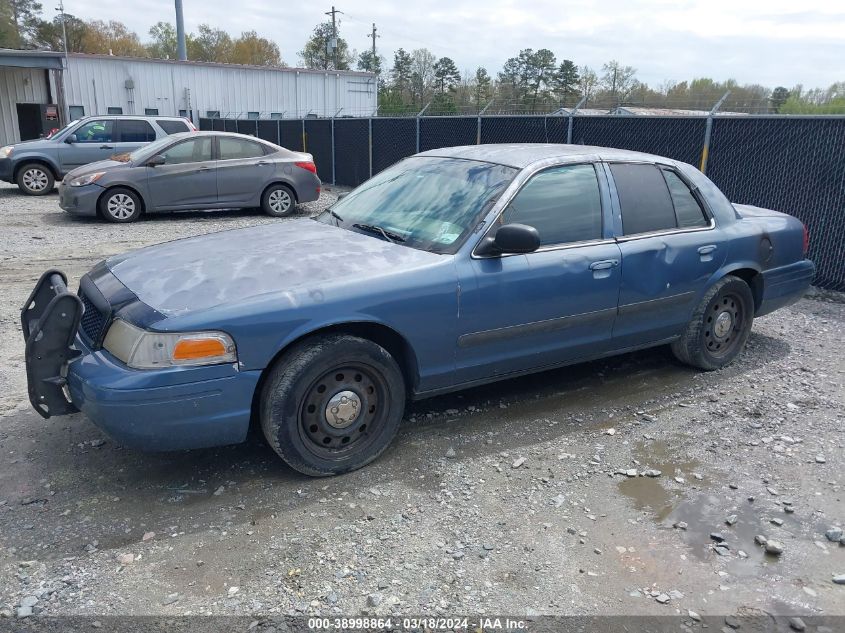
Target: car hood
column 36, row 143
column 100, row 165
column 296, row 258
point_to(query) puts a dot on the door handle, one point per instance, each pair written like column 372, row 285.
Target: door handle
column 706, row 250
column 262, row 162
column 106, row 146
column 203, row 168
column 604, row 264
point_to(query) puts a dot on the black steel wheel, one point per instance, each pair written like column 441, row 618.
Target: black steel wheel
column 720, row 326
column 332, row 404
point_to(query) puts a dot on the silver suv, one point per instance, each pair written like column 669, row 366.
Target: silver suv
column 36, row 165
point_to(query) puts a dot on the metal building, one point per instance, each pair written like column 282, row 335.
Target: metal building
column 82, row 85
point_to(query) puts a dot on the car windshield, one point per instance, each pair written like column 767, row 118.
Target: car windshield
column 146, row 151
column 423, row 202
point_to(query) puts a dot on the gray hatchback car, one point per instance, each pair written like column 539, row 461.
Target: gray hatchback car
column 194, row 170
column 36, row 165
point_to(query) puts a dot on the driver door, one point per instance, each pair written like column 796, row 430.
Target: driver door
column 188, row 177
column 95, row 140
column 557, row 304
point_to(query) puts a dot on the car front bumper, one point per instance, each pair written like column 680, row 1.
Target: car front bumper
column 79, row 200
column 157, row 410
column 7, row 170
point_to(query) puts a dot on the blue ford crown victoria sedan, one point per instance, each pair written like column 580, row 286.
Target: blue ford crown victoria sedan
column 453, row 268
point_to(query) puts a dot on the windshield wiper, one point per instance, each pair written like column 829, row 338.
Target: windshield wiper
column 390, row 236
column 336, row 217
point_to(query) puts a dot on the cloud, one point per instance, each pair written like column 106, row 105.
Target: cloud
column 771, row 42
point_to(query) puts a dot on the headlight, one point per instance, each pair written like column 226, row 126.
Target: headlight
column 143, row 349
column 6, row 151
column 87, row 179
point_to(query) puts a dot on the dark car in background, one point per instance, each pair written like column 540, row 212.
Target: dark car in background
column 36, row 165
column 194, row 170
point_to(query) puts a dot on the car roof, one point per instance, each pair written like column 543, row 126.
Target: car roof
column 133, row 116
column 196, row 133
column 521, row 155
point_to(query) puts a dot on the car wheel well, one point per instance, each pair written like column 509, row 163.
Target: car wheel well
column 754, row 280
column 281, row 182
column 132, row 189
column 388, row 338
column 35, row 161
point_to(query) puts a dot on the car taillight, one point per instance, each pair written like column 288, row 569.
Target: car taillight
column 307, row 166
column 806, row 240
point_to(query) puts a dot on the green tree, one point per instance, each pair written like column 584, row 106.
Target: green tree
column 317, row 54
column 566, row 82
column 422, row 75
column 8, row 30
column 589, row 82
column 370, row 63
column 446, row 75
column 49, row 34
column 400, row 74
column 22, row 18
column 163, row 41
column 254, row 50
column 779, row 97
column 111, row 38
column 481, row 88
column 210, row 45
column 539, row 71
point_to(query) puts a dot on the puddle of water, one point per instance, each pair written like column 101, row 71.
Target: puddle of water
column 650, row 493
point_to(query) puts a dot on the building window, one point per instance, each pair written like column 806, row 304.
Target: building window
column 76, row 112
column 213, row 114
column 183, row 113
column 275, row 115
column 252, row 115
column 114, row 110
column 151, row 111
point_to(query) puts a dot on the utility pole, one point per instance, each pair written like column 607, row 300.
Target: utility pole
column 65, row 108
column 333, row 13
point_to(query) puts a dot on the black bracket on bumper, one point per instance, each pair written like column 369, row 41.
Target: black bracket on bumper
column 50, row 320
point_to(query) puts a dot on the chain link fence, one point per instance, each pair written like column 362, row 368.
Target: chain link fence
column 794, row 164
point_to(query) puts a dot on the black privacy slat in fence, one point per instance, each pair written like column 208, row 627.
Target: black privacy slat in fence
column 318, row 142
column 792, row 165
column 218, row 125
column 513, row 129
column 230, row 125
column 352, row 151
column 681, row 138
column 447, row 132
column 393, row 140
column 247, row 126
column 290, row 135
column 269, row 130
column 206, row 125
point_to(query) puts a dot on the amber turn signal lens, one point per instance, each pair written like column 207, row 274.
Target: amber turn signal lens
column 192, row 349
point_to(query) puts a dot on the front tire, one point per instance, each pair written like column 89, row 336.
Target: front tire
column 34, row 179
column 278, row 201
column 720, row 326
column 120, row 205
column 332, row 404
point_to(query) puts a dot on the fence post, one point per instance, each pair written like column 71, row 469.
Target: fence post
column 571, row 115
column 419, row 114
column 303, row 136
column 708, row 131
column 478, row 130
column 370, row 143
column 334, row 182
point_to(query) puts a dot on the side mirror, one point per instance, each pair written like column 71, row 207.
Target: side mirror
column 511, row 239
column 156, row 160
column 341, row 195
column 71, row 139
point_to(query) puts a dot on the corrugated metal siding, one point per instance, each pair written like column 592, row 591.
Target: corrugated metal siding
column 97, row 83
column 18, row 85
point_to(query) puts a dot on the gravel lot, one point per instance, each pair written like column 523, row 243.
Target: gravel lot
column 525, row 497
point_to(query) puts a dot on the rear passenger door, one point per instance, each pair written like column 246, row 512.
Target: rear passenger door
column 242, row 170
column 670, row 248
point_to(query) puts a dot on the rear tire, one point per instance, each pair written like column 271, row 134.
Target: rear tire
column 720, row 326
column 332, row 404
column 278, row 201
column 120, row 205
column 34, row 179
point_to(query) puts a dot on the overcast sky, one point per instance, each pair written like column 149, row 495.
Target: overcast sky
column 772, row 42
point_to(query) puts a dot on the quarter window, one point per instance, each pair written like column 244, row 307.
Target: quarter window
column 193, row 151
column 644, row 198
column 562, row 203
column 95, row 132
column 687, row 209
column 234, row 148
column 172, row 127
column 136, row 131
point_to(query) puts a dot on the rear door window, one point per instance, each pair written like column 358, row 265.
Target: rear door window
column 95, row 132
column 562, row 203
column 687, row 209
column 136, row 131
column 235, row 148
column 644, row 198
column 173, row 127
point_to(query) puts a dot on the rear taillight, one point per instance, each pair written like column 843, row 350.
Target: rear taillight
column 806, row 240
column 307, row 166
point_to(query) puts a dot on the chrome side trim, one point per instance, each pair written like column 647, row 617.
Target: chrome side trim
column 642, row 236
